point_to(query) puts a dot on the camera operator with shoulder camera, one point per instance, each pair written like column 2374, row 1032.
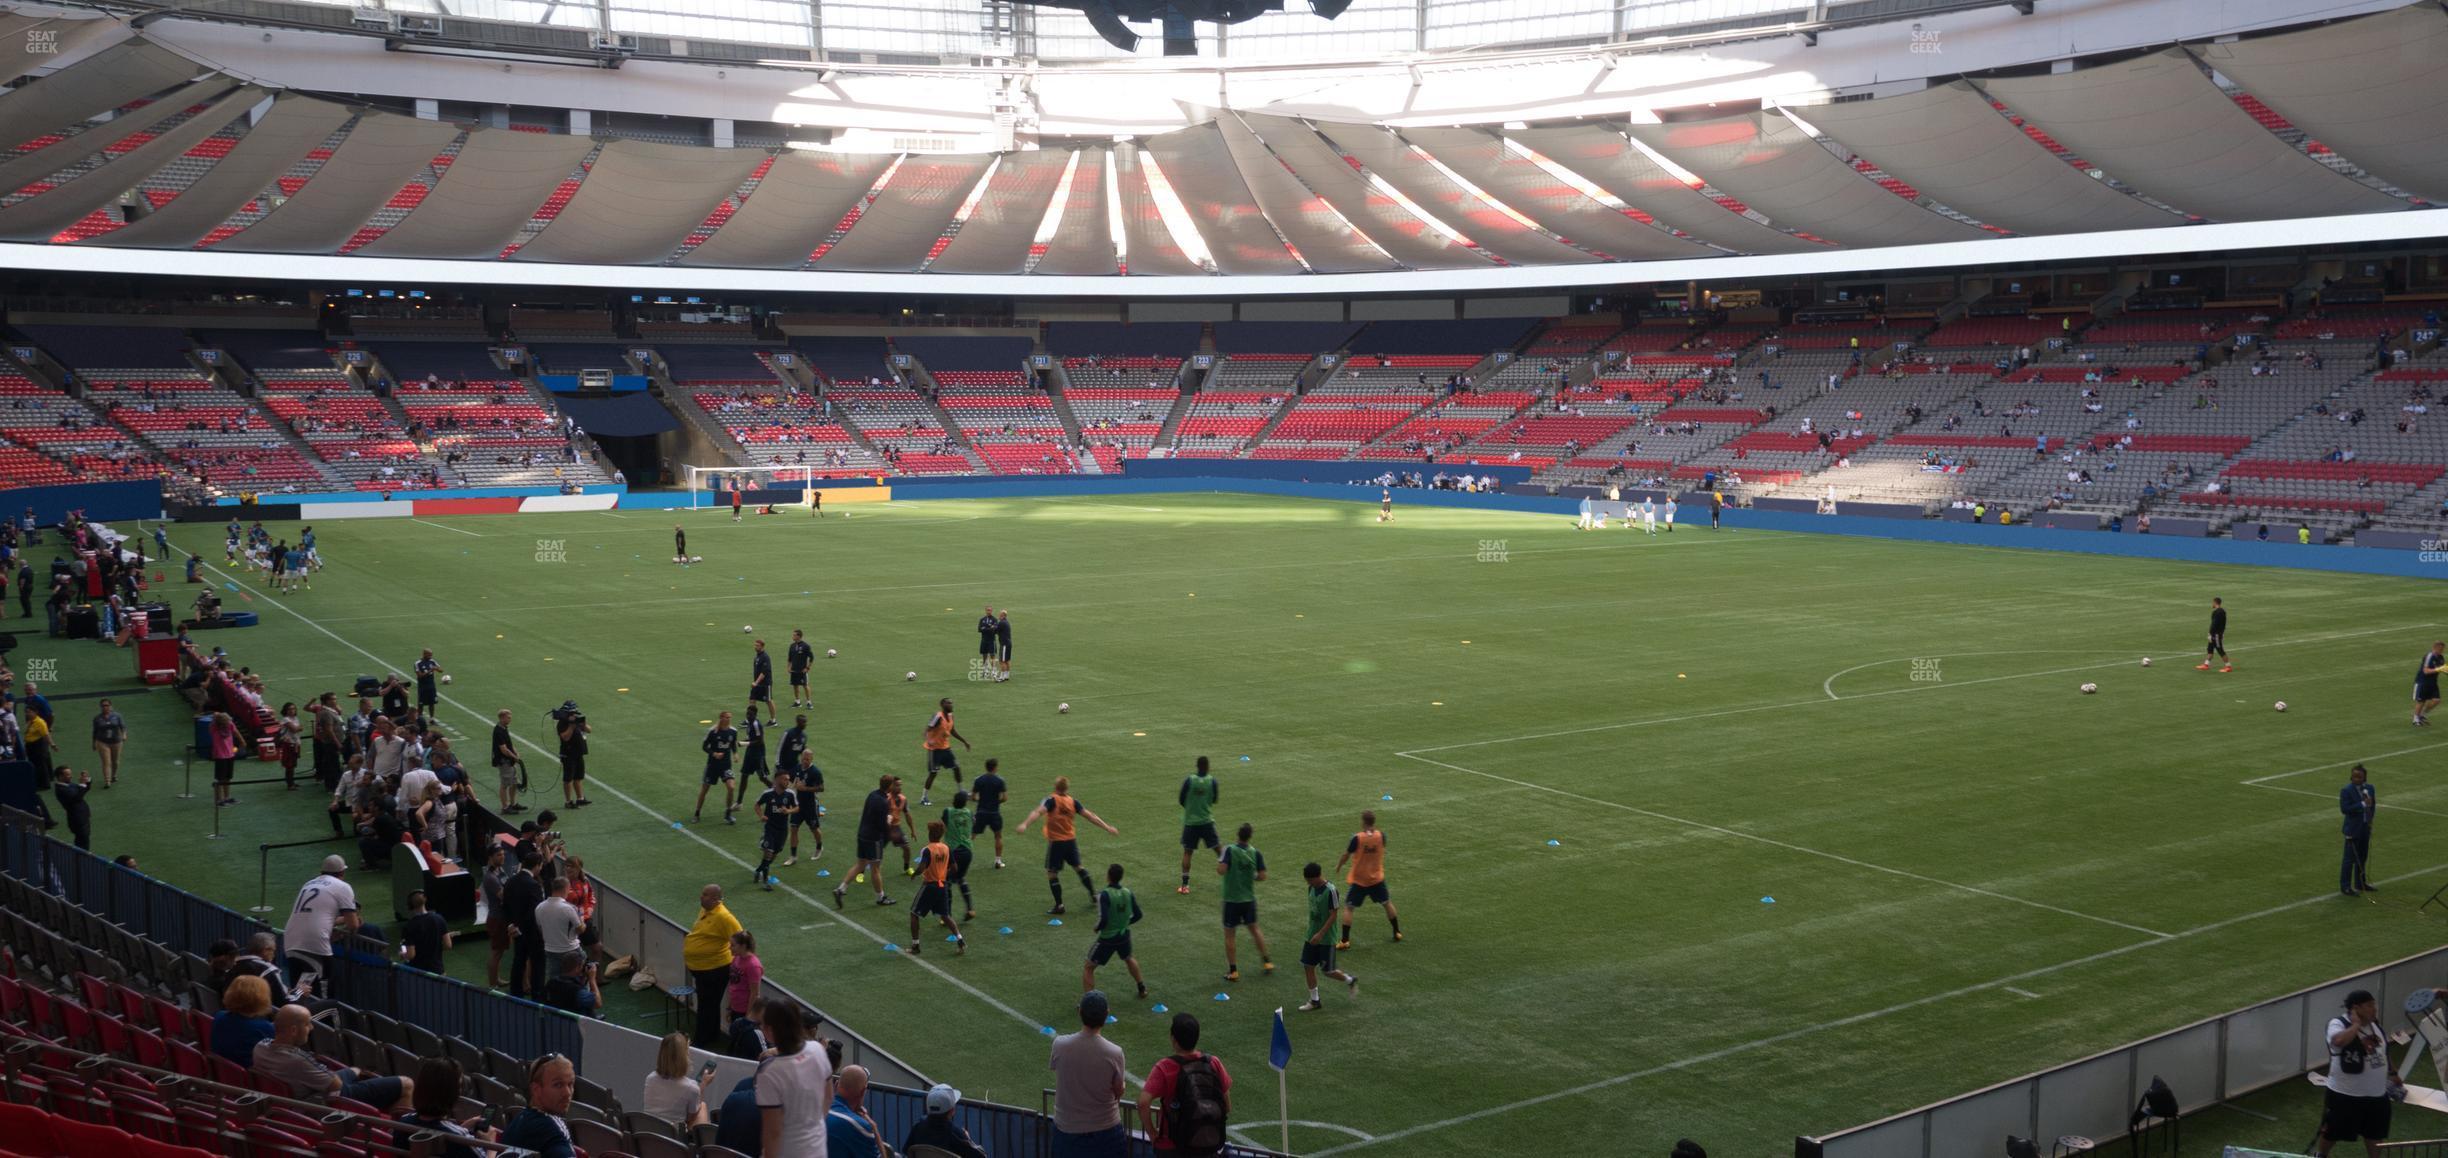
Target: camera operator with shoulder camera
column 571, row 726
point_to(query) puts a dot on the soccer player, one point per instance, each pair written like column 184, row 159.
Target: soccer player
column 794, row 743
column 1670, row 513
column 752, row 735
column 938, row 744
column 1003, row 645
column 1117, row 911
column 306, row 543
column 988, row 794
column 760, row 680
column 986, row 642
column 957, row 825
column 800, row 656
column 2218, row 639
column 229, row 544
column 874, row 819
column 806, row 782
column 720, row 742
column 427, row 671
column 735, row 500
column 2427, row 684
column 1649, row 515
column 1242, row 867
column 1198, row 796
column 934, row 899
column 1587, row 514
column 816, row 500
column 1366, row 852
column 680, row 545
column 897, row 834
column 1318, row 952
column 776, row 806
column 1385, row 505
column 1716, row 509
column 1062, row 838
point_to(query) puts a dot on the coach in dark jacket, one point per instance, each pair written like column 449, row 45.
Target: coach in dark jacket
column 520, row 896
column 73, row 808
column 2357, row 802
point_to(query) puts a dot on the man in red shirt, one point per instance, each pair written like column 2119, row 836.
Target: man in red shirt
column 1171, row 1100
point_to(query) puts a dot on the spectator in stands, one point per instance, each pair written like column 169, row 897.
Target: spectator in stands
column 551, row 1081
column 71, row 788
column 672, row 1093
column 573, row 987
column 747, row 973
column 425, row 936
column 707, row 953
column 521, row 895
column 1088, row 1073
column 285, row 1057
column 746, row 1037
column 738, row 1126
column 435, row 1097
column 938, row 1130
column 245, row 1019
column 326, row 908
column 791, row 1087
column 558, row 920
column 849, row 1131
column 1166, row 1109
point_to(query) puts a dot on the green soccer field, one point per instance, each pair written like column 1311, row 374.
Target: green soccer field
column 1596, row 757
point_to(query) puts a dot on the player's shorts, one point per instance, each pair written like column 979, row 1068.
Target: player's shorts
column 225, row 770
column 2345, row 1119
column 807, row 818
column 799, row 678
column 933, row 901
column 894, row 836
column 2218, row 640
column 776, row 836
column 960, row 866
column 1194, row 835
column 1003, row 650
column 2426, row 689
column 509, row 774
column 870, row 850
column 987, row 822
column 1108, row 948
column 1061, row 853
column 1239, row 913
column 497, row 933
column 428, row 698
column 573, row 768
column 757, row 694
column 942, row 758
column 986, row 646
column 1319, row 953
column 1359, row 893
column 717, row 772
column 754, row 763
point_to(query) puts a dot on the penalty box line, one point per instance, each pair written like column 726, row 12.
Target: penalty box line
column 1740, row 1048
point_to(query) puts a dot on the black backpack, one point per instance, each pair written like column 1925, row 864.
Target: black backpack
column 1194, row 1117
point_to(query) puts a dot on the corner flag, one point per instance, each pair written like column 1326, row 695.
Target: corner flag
column 1279, row 1055
column 1279, row 1051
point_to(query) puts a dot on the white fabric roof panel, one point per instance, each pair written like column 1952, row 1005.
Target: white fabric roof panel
column 1004, row 223
column 2371, row 88
column 23, row 171
column 40, row 217
column 909, row 215
column 792, row 210
column 2156, row 123
column 1600, row 155
column 1482, row 159
column 89, row 88
column 295, row 126
column 1148, row 244
column 488, row 194
column 1770, row 164
column 1383, row 220
column 1327, row 243
column 1393, row 159
column 1201, row 171
column 377, row 157
column 1082, row 245
column 1949, row 143
column 639, row 202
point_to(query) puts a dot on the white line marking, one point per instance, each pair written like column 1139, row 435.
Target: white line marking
column 2333, row 796
column 1829, row 685
column 445, row 527
column 1862, row 696
column 2257, row 780
column 1790, row 847
column 1842, row 1022
column 615, row 514
column 2021, row 992
column 1240, row 1133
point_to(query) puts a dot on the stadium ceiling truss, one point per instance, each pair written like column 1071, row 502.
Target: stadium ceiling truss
column 137, row 147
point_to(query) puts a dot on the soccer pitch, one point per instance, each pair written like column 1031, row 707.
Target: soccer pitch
column 1596, row 756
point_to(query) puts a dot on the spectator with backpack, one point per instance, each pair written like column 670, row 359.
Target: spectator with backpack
column 1188, row 1096
column 937, row 1130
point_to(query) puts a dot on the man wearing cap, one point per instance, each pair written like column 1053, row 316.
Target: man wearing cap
column 324, row 905
column 1088, row 1073
column 849, row 1131
column 2361, row 1077
column 938, row 1129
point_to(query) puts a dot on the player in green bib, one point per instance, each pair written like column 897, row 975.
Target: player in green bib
column 957, row 821
column 1318, row 951
column 1242, row 867
column 1117, row 911
column 1198, row 800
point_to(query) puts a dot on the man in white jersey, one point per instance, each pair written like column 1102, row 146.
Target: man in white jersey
column 1649, row 515
column 2361, row 1078
column 325, row 905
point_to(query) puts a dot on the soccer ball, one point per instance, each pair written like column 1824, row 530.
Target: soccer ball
column 1064, row 708
column 747, row 629
column 2088, row 689
column 696, row 558
column 446, row 677
column 2146, row 661
column 2281, row 705
column 909, row 677
column 830, row 653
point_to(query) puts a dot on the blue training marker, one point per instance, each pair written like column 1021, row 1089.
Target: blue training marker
column 1387, row 796
column 1767, row 900
column 819, row 872
column 1055, row 921
column 889, row 947
column 1223, row 996
column 676, row 824
column 1046, row 1030
column 953, row 938
column 1005, row 930
column 1110, row 1019
column 1245, row 759
column 1157, row 1008
column 1555, row 844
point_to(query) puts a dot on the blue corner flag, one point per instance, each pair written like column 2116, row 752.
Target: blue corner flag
column 1279, row 1051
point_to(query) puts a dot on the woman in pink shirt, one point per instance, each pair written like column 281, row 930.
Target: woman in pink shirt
column 747, row 973
column 224, row 757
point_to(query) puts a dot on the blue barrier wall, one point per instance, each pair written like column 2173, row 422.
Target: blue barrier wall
column 106, row 501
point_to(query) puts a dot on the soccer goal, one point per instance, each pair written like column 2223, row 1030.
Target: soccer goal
column 712, row 486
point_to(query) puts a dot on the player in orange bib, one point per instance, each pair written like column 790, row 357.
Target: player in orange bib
column 934, row 896
column 1366, row 854
column 1062, row 838
column 938, row 744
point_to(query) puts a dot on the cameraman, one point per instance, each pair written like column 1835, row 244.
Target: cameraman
column 571, row 726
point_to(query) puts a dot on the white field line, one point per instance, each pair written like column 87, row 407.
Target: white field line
column 2259, row 780
column 1828, row 685
column 446, row 527
column 1932, row 686
column 1853, row 1019
column 1788, row 846
column 2022, row 992
column 2333, row 796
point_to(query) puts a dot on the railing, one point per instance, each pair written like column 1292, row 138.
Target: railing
column 2207, row 1062
column 143, row 905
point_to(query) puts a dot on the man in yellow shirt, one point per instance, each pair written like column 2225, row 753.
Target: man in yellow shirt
column 707, row 953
